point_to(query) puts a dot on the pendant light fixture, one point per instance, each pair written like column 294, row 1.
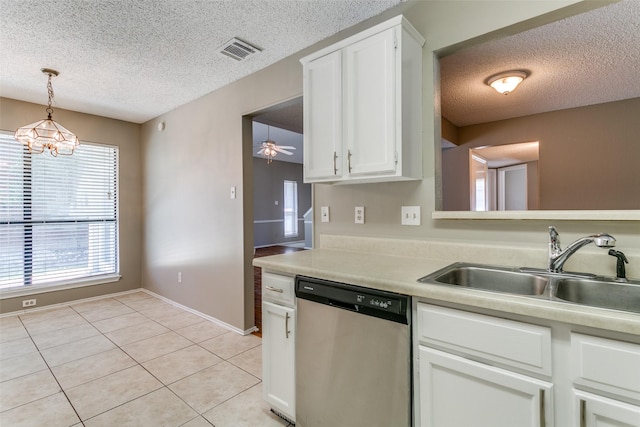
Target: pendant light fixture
column 47, row 133
column 506, row 82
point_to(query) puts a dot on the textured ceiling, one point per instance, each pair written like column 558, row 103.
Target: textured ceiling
column 136, row 59
column 587, row 59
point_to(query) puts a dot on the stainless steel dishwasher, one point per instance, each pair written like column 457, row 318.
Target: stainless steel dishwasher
column 353, row 356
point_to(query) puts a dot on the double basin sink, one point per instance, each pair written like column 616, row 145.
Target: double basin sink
column 587, row 290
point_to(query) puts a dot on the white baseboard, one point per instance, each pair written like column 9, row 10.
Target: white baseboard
column 204, row 316
column 167, row 300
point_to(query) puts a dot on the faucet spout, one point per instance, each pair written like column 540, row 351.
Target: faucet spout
column 557, row 256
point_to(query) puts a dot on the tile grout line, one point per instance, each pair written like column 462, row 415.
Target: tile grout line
column 62, row 390
column 174, row 330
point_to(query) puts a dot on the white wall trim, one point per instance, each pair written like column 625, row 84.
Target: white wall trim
column 267, row 221
column 66, row 304
column 21, row 291
column 204, row 316
column 292, row 242
column 167, row 300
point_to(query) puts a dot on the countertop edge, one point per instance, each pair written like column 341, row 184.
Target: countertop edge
column 301, row 263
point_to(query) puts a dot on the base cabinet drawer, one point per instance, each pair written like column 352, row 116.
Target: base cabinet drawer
column 509, row 343
column 456, row 392
column 278, row 288
column 606, row 365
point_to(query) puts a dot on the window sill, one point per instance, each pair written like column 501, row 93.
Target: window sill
column 40, row 289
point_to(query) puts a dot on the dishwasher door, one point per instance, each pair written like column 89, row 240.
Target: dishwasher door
column 352, row 369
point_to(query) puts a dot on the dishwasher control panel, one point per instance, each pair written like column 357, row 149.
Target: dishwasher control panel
column 386, row 305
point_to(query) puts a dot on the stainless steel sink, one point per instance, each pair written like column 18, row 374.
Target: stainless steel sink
column 576, row 288
column 600, row 293
column 488, row 278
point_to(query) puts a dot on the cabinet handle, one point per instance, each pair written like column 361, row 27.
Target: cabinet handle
column 335, row 167
column 543, row 421
column 349, row 159
column 271, row 288
column 286, row 326
column 583, row 413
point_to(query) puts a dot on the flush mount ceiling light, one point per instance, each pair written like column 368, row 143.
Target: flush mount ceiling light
column 269, row 148
column 506, row 82
column 47, row 133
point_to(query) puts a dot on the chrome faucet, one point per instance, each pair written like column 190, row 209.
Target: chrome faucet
column 557, row 256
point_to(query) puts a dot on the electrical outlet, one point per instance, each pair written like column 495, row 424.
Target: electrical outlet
column 28, row 302
column 410, row 215
column 324, row 214
column 359, row 215
column 179, row 276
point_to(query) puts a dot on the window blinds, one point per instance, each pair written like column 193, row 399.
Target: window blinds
column 290, row 208
column 58, row 215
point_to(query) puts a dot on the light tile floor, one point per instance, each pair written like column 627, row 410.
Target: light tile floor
column 128, row 360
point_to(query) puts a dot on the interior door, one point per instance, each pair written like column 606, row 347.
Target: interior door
column 512, row 188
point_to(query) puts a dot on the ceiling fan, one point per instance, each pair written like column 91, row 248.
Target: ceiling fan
column 269, row 148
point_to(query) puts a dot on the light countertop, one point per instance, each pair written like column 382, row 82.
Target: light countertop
column 400, row 274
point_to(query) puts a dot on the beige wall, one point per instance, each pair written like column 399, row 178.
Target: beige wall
column 588, row 155
column 14, row 114
column 192, row 226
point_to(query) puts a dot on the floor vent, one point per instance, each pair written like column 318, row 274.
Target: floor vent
column 284, row 417
column 238, row 49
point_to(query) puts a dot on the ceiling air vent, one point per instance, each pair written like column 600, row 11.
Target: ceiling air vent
column 238, row 49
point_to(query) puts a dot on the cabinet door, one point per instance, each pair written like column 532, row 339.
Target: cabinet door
column 457, row 392
column 595, row 411
column 323, row 118
column 370, row 105
column 278, row 356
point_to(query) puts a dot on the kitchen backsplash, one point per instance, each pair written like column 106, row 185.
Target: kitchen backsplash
column 587, row 260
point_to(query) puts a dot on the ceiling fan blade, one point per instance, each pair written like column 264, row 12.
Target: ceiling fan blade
column 261, row 151
column 287, row 147
column 280, row 150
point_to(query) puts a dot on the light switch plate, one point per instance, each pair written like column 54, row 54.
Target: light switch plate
column 232, row 193
column 411, row 215
column 324, row 213
column 359, row 215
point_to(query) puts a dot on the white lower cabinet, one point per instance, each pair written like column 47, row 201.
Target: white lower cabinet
column 459, row 392
column 596, row 411
column 278, row 343
column 486, row 371
column 278, row 351
column 605, row 367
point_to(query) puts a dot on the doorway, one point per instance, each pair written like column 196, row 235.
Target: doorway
column 282, row 202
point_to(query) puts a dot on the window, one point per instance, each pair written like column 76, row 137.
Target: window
column 58, row 215
column 290, row 208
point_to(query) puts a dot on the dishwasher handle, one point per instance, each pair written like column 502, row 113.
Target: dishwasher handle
column 345, row 305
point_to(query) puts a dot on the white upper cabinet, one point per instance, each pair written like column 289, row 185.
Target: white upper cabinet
column 363, row 107
column 323, row 128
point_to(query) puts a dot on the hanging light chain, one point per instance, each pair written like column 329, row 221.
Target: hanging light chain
column 50, row 91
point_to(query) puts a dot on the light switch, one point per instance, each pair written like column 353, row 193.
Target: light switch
column 233, row 192
column 324, row 214
column 410, row 215
column 359, row 215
